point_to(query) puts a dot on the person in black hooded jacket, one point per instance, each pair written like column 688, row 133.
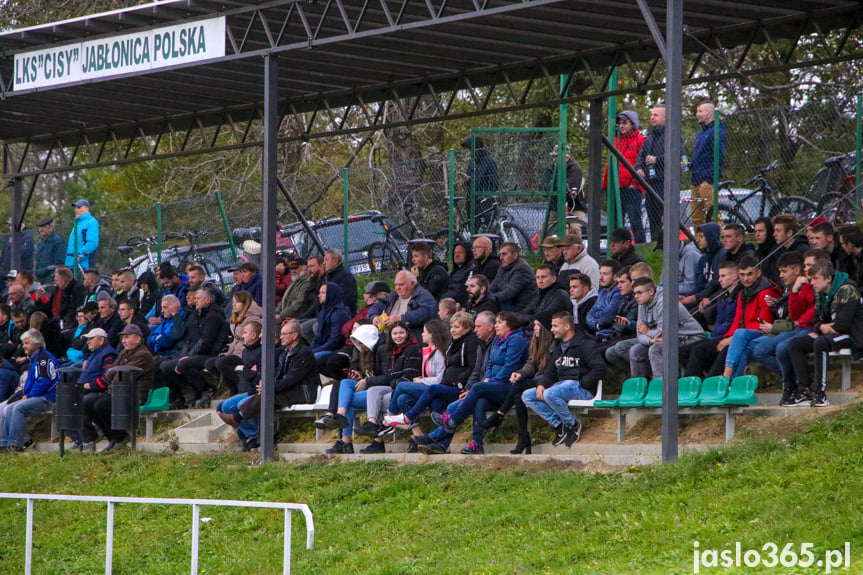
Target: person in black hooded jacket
column 549, row 299
column 707, row 238
column 151, row 293
column 431, row 274
column 463, row 267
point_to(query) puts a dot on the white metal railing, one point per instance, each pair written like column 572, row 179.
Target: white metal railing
column 196, row 521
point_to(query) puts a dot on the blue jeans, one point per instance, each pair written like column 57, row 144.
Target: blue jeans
column 320, row 354
column 8, row 382
column 14, row 434
column 248, row 428
column 765, row 348
column 740, row 349
column 350, row 399
column 406, row 394
column 553, row 407
column 483, row 396
column 436, row 397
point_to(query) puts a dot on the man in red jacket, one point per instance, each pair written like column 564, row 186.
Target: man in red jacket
column 629, row 141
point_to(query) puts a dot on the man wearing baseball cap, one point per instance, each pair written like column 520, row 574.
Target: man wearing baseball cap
column 135, row 354
column 94, row 380
column 84, row 237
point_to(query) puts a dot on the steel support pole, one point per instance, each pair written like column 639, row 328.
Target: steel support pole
column 671, row 221
column 17, row 215
column 857, row 156
column 613, row 214
column 268, row 254
column 594, row 179
column 560, row 160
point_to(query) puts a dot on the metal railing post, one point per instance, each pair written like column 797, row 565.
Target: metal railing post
column 196, row 535
column 451, row 202
column 227, row 224
column 109, row 540
column 28, row 545
column 286, row 565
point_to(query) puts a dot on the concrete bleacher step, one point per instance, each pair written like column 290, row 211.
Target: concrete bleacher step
column 204, row 429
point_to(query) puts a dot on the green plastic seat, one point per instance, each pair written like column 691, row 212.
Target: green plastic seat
column 742, row 391
column 638, row 400
column 713, row 391
column 157, row 400
column 688, row 389
column 654, row 393
column 633, row 390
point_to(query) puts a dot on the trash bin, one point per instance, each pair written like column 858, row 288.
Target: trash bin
column 125, row 405
column 68, row 406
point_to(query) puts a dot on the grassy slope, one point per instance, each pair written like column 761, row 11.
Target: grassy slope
column 387, row 519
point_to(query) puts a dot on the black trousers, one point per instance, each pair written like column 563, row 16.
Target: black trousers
column 701, row 359
column 225, row 367
column 799, row 349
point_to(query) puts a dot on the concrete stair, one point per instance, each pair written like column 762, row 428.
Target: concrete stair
column 206, row 428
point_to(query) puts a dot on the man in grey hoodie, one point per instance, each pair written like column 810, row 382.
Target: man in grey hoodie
column 648, row 351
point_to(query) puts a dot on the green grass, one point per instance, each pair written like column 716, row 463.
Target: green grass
column 383, row 518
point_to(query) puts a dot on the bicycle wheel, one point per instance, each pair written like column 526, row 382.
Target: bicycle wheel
column 511, row 232
column 211, row 271
column 381, row 258
column 838, row 208
column 732, row 214
column 804, row 208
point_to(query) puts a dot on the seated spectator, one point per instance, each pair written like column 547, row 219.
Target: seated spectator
column 97, row 411
column 734, row 242
column 478, row 298
column 336, row 272
column 508, row 352
column 37, row 395
column 463, row 268
column 110, row 320
column 538, row 357
column 446, row 308
column 838, row 325
column 788, row 236
column 126, row 286
column 765, row 248
column 410, row 303
column 198, row 279
column 244, row 311
column 431, row 274
column 97, row 286
column 283, row 278
column 572, row 373
column 130, row 315
column 252, row 282
column 707, row 357
column 94, row 381
column 513, row 286
column 851, row 241
column 436, row 340
column 485, row 262
column 333, row 315
column 296, row 379
column 552, row 253
column 626, row 316
column 822, row 236
column 50, row 330
column 549, row 299
column 18, row 299
column 310, row 305
column 167, row 338
column 207, row 335
column 173, row 284
column 582, row 296
column 192, row 300
column 622, row 247
column 600, row 318
column 752, row 312
column 689, row 280
column 707, row 238
column 460, row 358
column 399, row 359
column 646, row 355
column 577, row 260
column 8, row 372
column 68, row 295
column 247, row 385
column 21, row 323
column 78, row 351
column 151, row 293
column 292, row 301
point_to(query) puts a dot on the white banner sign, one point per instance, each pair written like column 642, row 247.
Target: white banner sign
column 151, row 50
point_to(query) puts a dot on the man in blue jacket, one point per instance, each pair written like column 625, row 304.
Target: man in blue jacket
column 411, row 303
column 51, row 250
column 83, row 239
column 702, row 162
column 39, row 393
column 600, row 318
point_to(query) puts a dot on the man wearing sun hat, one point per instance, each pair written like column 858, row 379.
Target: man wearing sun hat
column 83, row 239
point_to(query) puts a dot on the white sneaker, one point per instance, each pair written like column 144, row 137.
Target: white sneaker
column 398, row 421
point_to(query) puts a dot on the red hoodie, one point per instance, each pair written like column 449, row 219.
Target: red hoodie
column 801, row 306
column 748, row 314
column 629, row 145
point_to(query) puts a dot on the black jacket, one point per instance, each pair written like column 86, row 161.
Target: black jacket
column 457, row 287
column 251, row 369
column 628, row 309
column 297, row 378
column 208, row 332
column 545, row 304
column 574, row 359
column 514, row 286
column 629, row 257
column 483, row 351
column 488, row 303
column 434, row 278
column 345, row 279
column 403, row 363
column 113, row 325
column 488, row 268
column 70, row 300
column 460, row 360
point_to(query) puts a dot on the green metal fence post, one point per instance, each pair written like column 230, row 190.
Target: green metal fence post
column 613, row 191
column 451, row 202
column 717, row 160
column 858, row 161
column 159, row 233
column 562, row 188
column 345, row 188
column 227, row 224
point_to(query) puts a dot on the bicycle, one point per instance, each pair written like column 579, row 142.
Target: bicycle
column 392, row 253
column 771, row 201
column 152, row 261
column 211, row 270
column 840, row 206
column 491, row 219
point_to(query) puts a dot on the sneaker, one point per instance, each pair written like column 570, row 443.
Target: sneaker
column 386, row 430
column 323, row 422
column 787, row 398
column 819, row 399
column 412, row 446
column 802, row 398
column 431, row 448
column 423, row 439
column 491, row 421
column 398, row 421
column 572, row 435
column 374, row 447
column 559, row 435
column 368, row 429
column 473, row 448
column 340, row 447
column 250, row 443
column 444, row 420
column 333, row 421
